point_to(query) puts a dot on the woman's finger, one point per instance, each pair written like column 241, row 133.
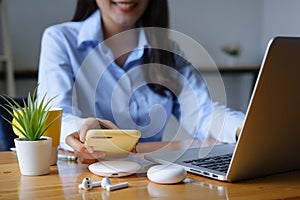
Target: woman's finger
column 90, row 123
column 84, row 157
column 73, row 141
column 80, row 150
column 93, row 123
column 106, row 124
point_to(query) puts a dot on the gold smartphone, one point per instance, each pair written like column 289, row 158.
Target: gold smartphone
column 116, row 143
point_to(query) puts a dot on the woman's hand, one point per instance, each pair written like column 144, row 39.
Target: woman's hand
column 75, row 140
column 239, row 130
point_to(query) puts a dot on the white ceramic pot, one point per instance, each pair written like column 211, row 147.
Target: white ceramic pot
column 34, row 156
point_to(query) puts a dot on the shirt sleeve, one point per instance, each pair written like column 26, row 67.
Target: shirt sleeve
column 199, row 115
column 56, row 78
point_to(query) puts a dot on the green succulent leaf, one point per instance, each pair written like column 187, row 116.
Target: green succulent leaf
column 31, row 119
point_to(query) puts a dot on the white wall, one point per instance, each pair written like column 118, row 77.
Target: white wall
column 214, row 23
column 28, row 19
column 280, row 18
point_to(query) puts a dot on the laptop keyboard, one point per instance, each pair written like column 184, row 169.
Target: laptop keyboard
column 218, row 163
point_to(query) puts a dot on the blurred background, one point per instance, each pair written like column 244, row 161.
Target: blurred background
column 248, row 24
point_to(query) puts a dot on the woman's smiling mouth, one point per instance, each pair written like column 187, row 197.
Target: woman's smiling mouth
column 124, row 5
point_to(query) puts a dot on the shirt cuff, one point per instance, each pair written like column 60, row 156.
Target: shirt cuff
column 70, row 124
column 225, row 123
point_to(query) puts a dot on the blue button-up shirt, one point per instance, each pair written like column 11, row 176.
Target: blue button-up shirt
column 77, row 67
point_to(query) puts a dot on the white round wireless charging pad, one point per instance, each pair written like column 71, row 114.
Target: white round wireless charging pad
column 114, row 168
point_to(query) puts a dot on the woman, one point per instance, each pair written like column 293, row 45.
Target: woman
column 75, row 54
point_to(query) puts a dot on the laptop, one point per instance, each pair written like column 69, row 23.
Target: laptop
column 269, row 142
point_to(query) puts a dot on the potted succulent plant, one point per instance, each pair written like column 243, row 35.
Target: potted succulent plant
column 29, row 123
column 232, row 51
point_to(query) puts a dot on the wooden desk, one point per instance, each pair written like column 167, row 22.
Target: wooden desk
column 63, row 180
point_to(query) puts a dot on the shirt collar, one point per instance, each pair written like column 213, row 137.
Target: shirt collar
column 142, row 41
column 91, row 35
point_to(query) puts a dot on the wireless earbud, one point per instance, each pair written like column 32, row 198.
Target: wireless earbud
column 106, row 184
column 87, row 184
